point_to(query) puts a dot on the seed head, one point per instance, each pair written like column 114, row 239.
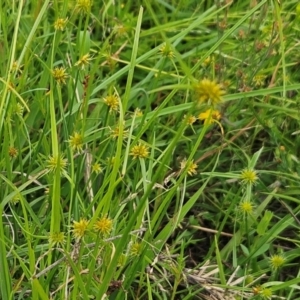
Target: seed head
column 209, row 116
column 189, row 119
column 79, row 228
column 135, row 249
column 83, row 61
column 15, row 200
column 17, row 68
column 83, row 6
column 56, row 162
column 76, row 141
column 191, row 167
column 208, row 92
column 139, row 151
column 19, row 109
column 206, row 62
column 103, row 226
column 60, row 24
column 138, row 112
column 96, row 168
column 166, row 51
column 57, row 238
column 277, row 261
column 246, row 207
column 249, row 176
column 60, row 75
column 115, row 132
column 266, row 293
column 12, row 152
column 122, row 260
column 259, row 80
column 112, row 101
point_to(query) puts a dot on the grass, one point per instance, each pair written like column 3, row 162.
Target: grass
column 149, row 150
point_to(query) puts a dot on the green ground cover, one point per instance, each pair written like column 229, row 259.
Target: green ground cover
column 150, row 149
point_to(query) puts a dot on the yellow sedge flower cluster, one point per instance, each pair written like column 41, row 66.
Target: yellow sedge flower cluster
column 246, row 207
column 136, row 249
column 166, row 51
column 60, row 24
column 103, row 226
column 83, row 61
column 57, row 162
column 83, row 6
column 208, row 117
column 76, row 141
column 57, row 239
column 112, row 101
column 276, row 261
column 208, row 92
column 139, row 151
column 96, row 168
column 60, row 75
column 190, row 167
column 13, row 152
column 249, row 176
column 264, row 293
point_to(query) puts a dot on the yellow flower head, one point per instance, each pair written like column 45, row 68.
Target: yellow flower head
column 206, row 62
column 139, row 151
column 60, row 75
column 249, row 279
column 19, row 109
column 249, row 176
column 189, row 119
column 209, row 116
column 76, row 141
column 120, row 30
column 15, row 200
column 83, row 6
column 209, row 92
column 246, row 207
column 96, row 168
column 191, row 167
column 60, row 24
column 115, row 132
column 79, row 228
column 104, row 226
column 277, row 261
column 112, row 101
column 136, row 249
column 12, row 152
column 83, row 61
column 166, row 51
column 57, row 238
column 138, row 112
column 111, row 160
column 16, row 67
column 122, row 260
column 259, row 80
column 56, row 163
column 282, row 148
column 266, row 293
